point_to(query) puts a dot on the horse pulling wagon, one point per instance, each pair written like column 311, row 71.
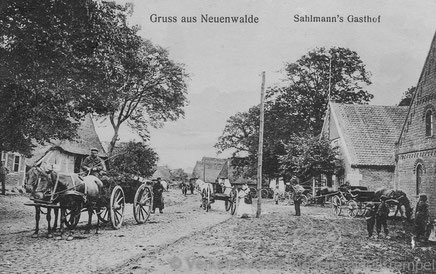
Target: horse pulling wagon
column 355, row 198
column 210, row 192
column 73, row 194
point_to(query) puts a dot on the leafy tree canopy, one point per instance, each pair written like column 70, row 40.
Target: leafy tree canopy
column 60, row 60
column 134, row 158
column 296, row 108
column 308, row 155
column 406, row 99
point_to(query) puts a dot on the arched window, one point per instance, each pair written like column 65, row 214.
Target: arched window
column 418, row 178
column 429, row 123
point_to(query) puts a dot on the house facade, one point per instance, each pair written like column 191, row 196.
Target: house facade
column 415, row 152
column 365, row 136
column 61, row 155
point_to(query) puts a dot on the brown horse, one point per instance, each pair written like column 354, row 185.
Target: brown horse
column 37, row 183
column 399, row 199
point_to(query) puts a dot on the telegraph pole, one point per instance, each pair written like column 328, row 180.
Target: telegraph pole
column 260, row 150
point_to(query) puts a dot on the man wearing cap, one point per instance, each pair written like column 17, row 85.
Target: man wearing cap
column 93, row 164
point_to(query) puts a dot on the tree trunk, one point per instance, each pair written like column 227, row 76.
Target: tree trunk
column 113, row 141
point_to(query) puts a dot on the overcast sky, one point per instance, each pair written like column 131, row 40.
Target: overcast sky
column 225, row 61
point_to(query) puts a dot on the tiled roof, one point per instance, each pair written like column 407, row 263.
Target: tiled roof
column 370, row 132
column 163, row 172
column 208, row 167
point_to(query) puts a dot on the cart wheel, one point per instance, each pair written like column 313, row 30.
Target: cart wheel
column 336, row 205
column 142, row 204
column 352, row 208
column 360, row 209
column 304, row 200
column 117, row 204
column 309, row 199
column 72, row 217
column 103, row 215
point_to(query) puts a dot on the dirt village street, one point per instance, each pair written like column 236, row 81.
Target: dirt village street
column 185, row 238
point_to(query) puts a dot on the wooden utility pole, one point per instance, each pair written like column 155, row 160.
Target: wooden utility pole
column 260, row 150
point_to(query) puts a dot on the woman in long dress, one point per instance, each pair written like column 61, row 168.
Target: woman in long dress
column 244, row 203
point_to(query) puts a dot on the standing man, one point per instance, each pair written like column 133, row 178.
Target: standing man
column 3, row 171
column 157, row 196
column 298, row 199
column 421, row 218
column 93, row 164
column 382, row 217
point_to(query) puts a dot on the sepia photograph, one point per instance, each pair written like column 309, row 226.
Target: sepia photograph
column 201, row 136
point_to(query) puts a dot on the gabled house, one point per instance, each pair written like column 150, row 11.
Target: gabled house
column 415, row 152
column 211, row 169
column 62, row 155
column 365, row 136
column 65, row 155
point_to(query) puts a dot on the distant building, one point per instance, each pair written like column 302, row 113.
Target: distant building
column 162, row 172
column 211, row 169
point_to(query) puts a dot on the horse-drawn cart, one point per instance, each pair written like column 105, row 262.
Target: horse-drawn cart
column 73, row 194
column 224, row 191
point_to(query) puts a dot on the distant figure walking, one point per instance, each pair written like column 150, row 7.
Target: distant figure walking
column 158, row 196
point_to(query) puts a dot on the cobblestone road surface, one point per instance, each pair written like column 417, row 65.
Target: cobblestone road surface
column 87, row 253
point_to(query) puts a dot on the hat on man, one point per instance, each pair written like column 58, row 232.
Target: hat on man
column 94, row 149
column 383, row 198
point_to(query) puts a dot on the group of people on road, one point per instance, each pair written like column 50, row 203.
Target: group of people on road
column 377, row 214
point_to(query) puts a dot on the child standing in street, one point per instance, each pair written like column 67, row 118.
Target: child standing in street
column 370, row 213
column 382, row 217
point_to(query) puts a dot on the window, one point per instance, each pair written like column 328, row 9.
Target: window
column 429, row 123
column 16, row 163
column 418, row 178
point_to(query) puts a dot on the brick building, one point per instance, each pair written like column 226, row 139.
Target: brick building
column 365, row 136
column 415, row 152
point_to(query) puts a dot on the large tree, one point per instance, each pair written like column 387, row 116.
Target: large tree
column 63, row 59
column 151, row 89
column 297, row 106
column 56, row 60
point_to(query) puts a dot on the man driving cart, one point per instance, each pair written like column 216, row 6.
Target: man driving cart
column 93, row 165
